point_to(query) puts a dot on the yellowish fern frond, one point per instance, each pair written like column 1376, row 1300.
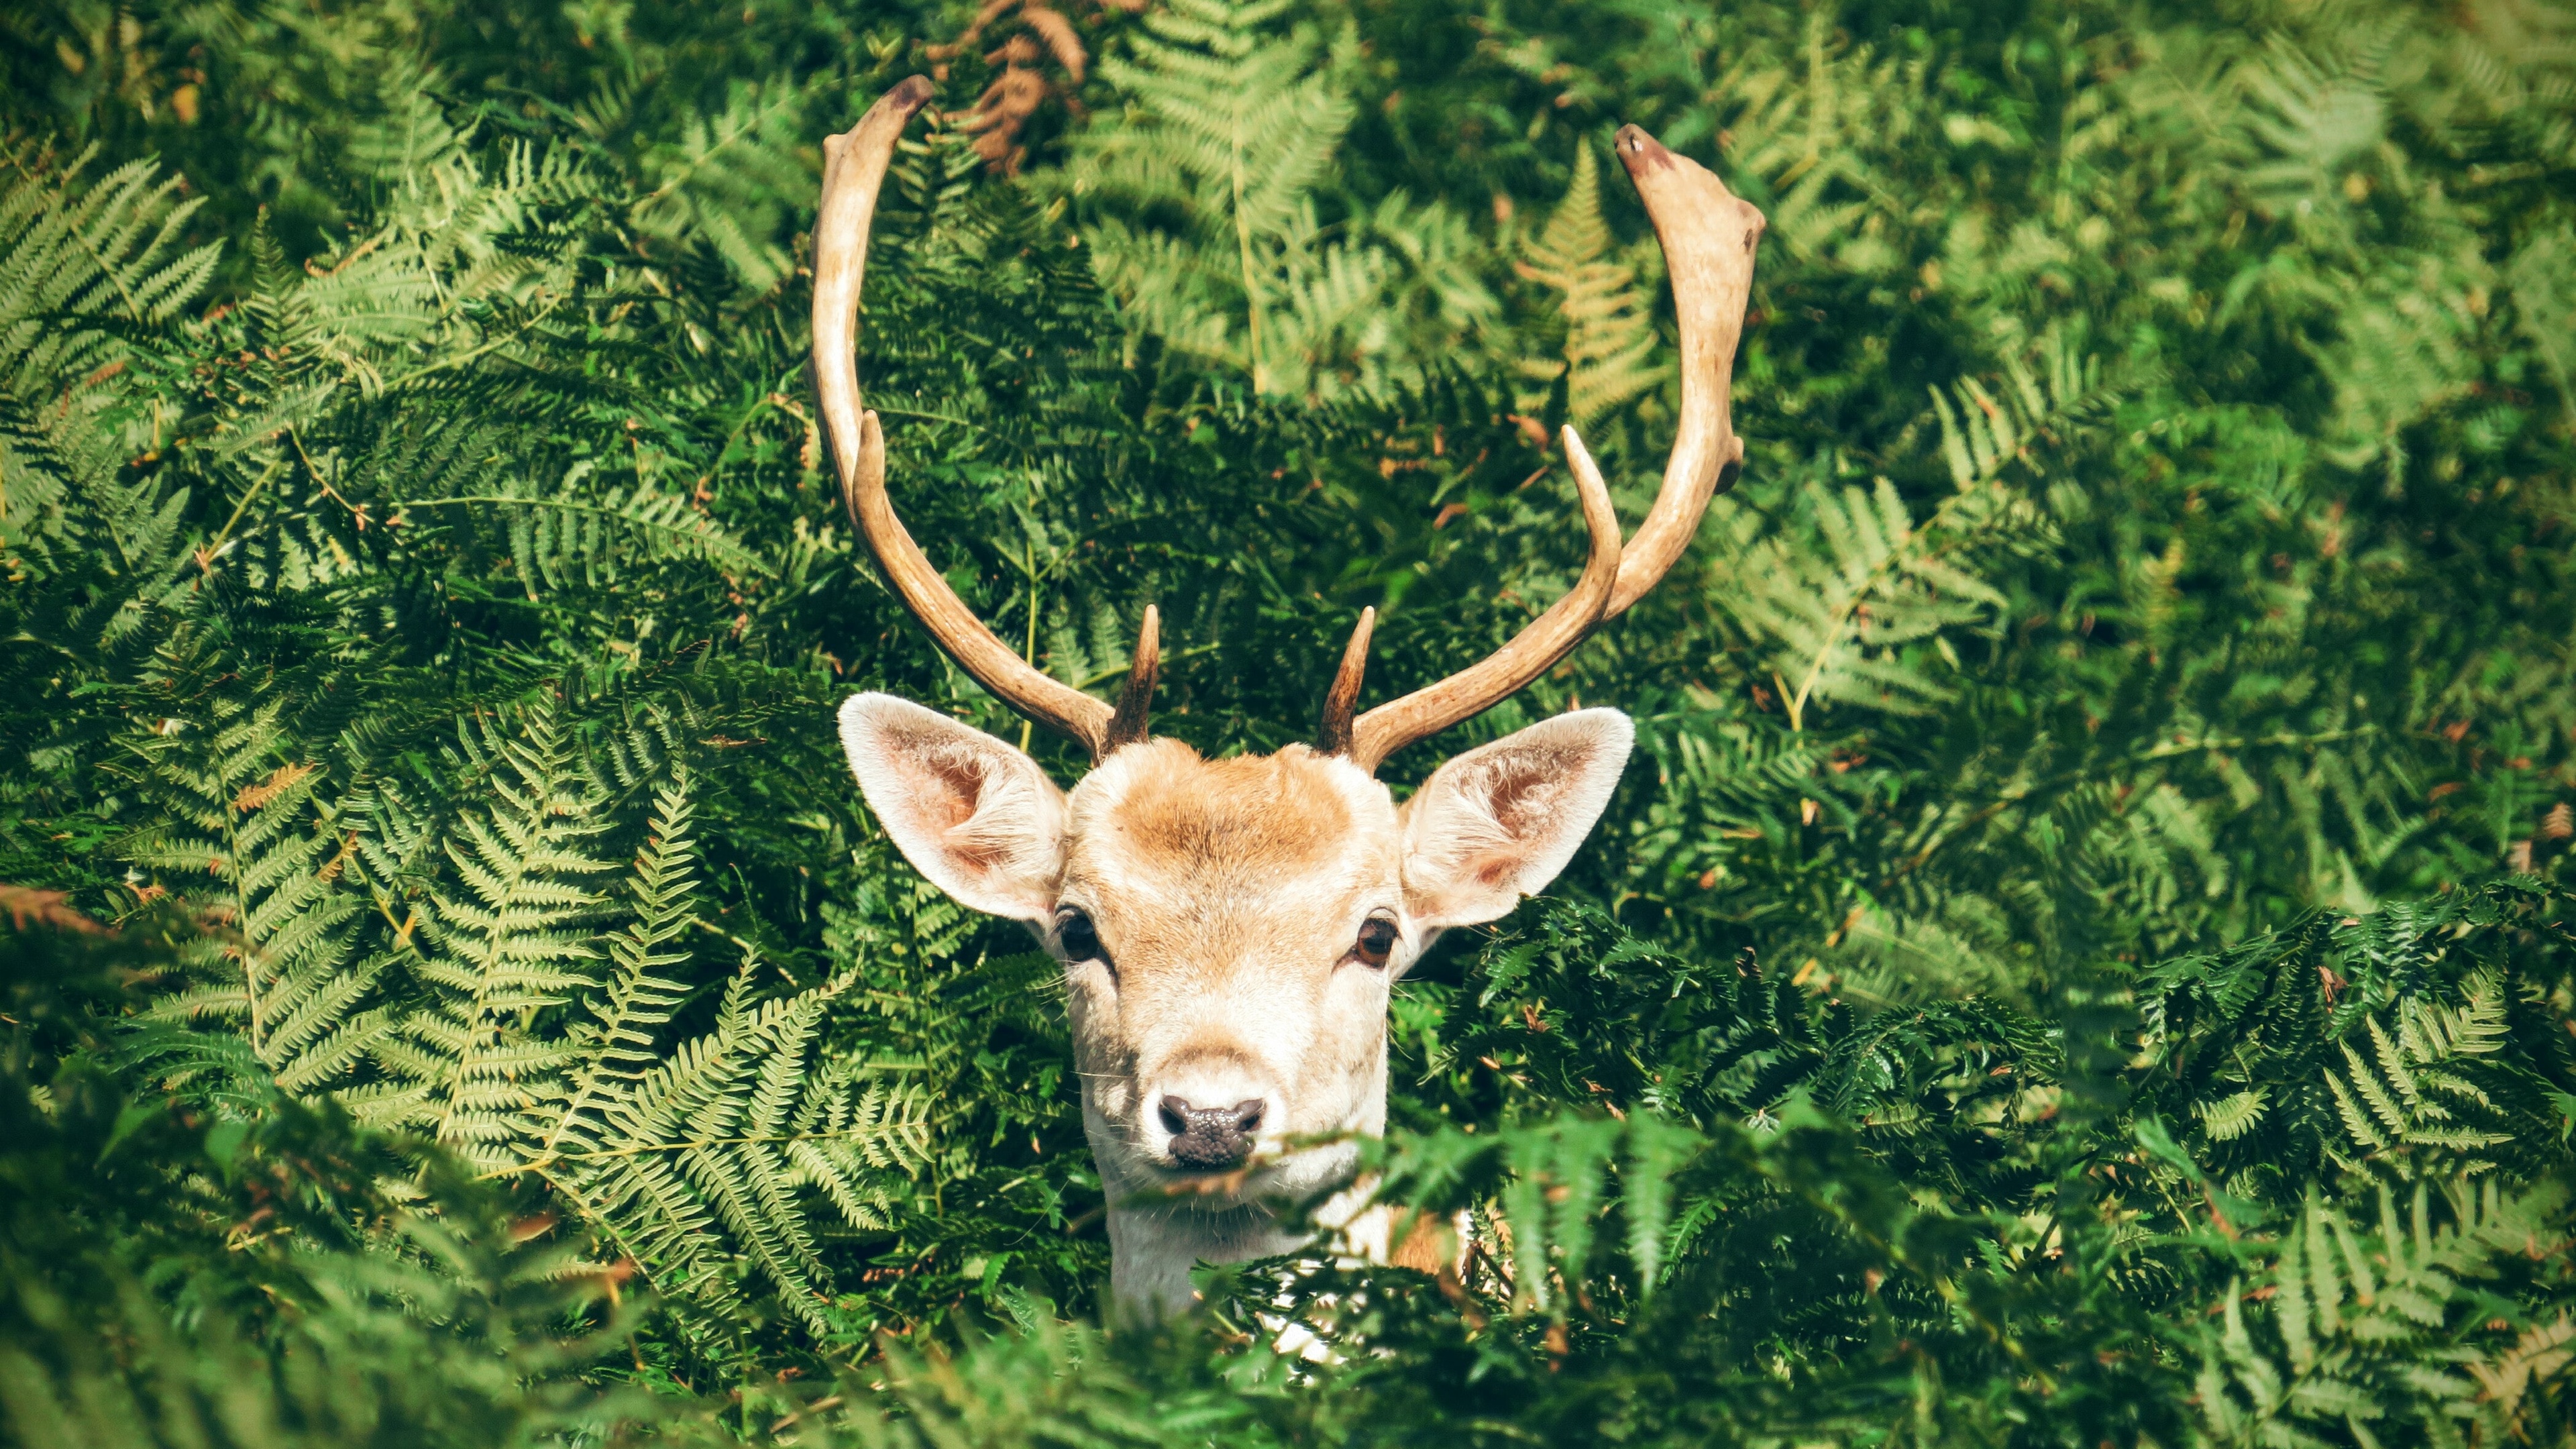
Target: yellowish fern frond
column 2233, row 1116
column 1610, row 337
column 2409, row 1105
column 448, row 973
column 2349, row 1330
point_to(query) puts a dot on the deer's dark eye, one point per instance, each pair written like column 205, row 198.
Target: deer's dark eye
column 1073, row 933
column 1376, row 941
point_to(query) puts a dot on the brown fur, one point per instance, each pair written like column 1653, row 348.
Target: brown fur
column 1429, row 1244
column 1264, row 812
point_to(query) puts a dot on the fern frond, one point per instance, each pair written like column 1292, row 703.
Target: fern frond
column 1610, row 337
column 1234, row 132
column 718, row 183
column 2410, row 1105
column 293, row 977
column 561, row 539
column 2231, row 1117
column 1844, row 604
column 77, row 261
column 2365, row 1330
column 1982, row 433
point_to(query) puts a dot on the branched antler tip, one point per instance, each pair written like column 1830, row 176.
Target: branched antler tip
column 1707, row 234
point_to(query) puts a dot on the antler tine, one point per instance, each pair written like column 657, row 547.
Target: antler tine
column 1344, row 696
column 1707, row 234
column 1531, row 653
column 854, row 167
column 1136, row 696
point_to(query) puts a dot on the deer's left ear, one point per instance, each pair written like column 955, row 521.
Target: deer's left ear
column 1498, row 822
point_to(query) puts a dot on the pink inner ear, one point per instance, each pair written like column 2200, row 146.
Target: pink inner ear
column 1521, row 799
column 954, row 791
column 960, row 785
column 1525, row 794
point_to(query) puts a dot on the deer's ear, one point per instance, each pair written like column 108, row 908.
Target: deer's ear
column 977, row 817
column 1498, row 823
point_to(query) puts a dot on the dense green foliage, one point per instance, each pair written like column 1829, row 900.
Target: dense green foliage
column 2077, row 958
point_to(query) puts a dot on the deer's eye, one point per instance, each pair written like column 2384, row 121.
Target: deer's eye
column 1073, row 933
column 1376, row 941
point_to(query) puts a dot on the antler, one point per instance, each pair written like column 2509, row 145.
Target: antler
column 1708, row 235
column 854, row 167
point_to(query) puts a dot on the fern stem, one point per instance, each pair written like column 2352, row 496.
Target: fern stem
column 2010, row 798
column 207, row 554
column 1103, row 676
column 241, row 913
column 1243, row 253
column 733, row 554
column 598, row 1216
column 610, row 1154
column 472, row 355
column 787, row 99
column 889, row 410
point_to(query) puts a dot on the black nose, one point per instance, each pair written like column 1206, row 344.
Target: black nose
column 1210, row 1139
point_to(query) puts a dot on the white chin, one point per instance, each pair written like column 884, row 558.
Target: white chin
column 1306, row 1172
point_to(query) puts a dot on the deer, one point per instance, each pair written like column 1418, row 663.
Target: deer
column 1230, row 929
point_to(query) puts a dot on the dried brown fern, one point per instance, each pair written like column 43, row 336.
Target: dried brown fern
column 1032, row 33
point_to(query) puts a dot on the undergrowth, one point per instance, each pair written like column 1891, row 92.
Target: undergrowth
column 2078, row 957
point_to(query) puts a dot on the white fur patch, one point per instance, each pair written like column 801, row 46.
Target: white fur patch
column 1497, row 823
column 975, row 816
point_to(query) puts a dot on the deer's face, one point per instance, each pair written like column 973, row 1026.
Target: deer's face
column 1230, row 929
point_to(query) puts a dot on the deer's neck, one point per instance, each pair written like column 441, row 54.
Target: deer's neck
column 1152, row 1248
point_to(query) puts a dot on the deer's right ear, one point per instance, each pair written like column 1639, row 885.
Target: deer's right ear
column 976, row 816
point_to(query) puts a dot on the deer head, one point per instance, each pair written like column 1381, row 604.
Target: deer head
column 1230, row 928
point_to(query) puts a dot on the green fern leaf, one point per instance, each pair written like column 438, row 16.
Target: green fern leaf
column 1610, row 337
column 1233, row 132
